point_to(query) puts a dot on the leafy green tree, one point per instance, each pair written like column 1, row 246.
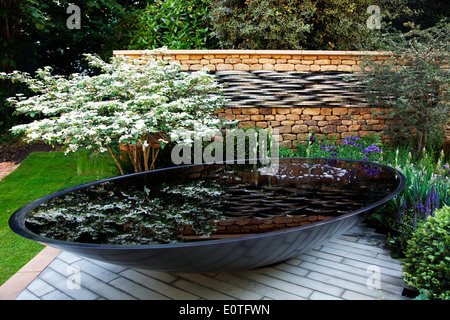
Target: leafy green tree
column 422, row 14
column 13, row 15
column 267, row 24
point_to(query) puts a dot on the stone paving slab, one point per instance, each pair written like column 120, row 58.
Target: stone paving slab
column 352, row 266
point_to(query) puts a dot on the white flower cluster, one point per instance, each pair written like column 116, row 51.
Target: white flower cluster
column 131, row 101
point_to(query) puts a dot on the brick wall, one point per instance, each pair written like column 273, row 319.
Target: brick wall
column 293, row 124
column 334, row 116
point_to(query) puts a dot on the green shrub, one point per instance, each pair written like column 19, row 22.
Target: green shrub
column 249, row 143
column 427, row 262
column 176, row 24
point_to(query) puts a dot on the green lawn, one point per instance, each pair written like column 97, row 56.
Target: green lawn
column 38, row 175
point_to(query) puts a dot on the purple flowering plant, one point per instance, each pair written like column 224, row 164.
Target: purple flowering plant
column 353, row 147
column 428, row 179
column 427, row 190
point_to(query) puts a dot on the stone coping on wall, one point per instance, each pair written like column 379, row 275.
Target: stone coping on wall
column 254, row 60
column 261, row 52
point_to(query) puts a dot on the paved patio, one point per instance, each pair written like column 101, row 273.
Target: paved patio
column 352, row 266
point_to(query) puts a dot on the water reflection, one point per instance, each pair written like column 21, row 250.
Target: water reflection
column 197, row 202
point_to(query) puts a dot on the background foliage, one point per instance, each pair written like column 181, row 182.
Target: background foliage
column 290, row 24
column 266, row 24
column 177, row 24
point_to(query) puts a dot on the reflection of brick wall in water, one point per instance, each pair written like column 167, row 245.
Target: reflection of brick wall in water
column 236, row 227
column 247, row 214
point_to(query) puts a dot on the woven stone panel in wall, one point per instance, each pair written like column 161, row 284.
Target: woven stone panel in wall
column 266, row 88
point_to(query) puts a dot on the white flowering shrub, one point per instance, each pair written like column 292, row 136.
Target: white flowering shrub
column 140, row 104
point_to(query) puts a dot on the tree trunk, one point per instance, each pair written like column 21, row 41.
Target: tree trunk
column 115, row 159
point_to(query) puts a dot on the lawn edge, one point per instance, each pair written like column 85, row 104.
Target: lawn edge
column 22, row 278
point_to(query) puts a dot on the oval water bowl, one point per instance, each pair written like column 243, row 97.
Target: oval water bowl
column 210, row 217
